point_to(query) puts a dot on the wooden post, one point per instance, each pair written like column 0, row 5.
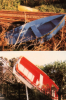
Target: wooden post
column 25, row 18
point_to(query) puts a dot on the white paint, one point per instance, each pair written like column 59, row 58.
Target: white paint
column 41, row 80
column 37, row 82
column 26, row 72
column 30, row 75
column 53, row 93
column 21, row 68
column 22, row 79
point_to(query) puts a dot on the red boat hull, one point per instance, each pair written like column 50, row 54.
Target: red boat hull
column 33, row 77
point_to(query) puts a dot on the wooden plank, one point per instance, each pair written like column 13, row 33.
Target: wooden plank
column 11, row 17
column 11, row 12
column 9, row 20
column 30, row 16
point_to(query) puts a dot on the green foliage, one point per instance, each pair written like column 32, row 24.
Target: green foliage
column 31, row 3
column 57, row 8
column 40, row 96
column 40, row 67
column 56, row 71
column 42, row 5
column 9, row 4
column 12, row 91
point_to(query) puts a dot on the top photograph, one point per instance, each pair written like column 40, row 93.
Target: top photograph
column 32, row 25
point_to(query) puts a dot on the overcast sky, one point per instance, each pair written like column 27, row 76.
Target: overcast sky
column 36, row 57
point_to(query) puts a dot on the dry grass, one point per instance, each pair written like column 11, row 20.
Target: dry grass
column 3, row 41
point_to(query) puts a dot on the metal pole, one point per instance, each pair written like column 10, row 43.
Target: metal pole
column 27, row 92
column 25, row 18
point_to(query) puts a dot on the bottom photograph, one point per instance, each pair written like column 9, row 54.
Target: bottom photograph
column 32, row 75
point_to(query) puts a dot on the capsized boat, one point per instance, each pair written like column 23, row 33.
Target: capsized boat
column 44, row 28
column 33, row 77
column 27, row 9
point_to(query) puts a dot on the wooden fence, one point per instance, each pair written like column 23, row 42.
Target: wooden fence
column 15, row 16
